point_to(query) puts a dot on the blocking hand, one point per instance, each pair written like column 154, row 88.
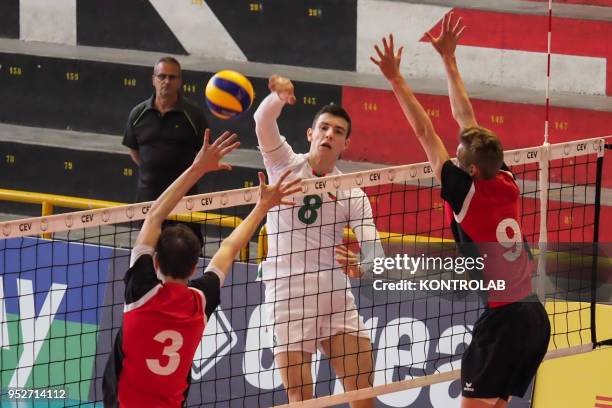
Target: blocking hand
column 210, row 154
column 450, row 33
column 349, row 261
column 276, row 194
column 389, row 61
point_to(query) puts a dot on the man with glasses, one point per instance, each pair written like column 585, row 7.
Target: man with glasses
column 164, row 134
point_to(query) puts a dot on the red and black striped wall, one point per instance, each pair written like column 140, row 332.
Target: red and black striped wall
column 97, row 97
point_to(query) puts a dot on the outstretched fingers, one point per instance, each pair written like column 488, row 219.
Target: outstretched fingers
column 457, row 25
column 281, row 189
column 446, row 22
column 345, row 254
column 230, row 148
column 385, row 45
column 289, row 192
column 459, row 33
column 457, row 28
column 341, row 250
column 348, row 260
column 224, row 139
column 287, row 188
column 262, row 178
column 206, row 137
column 291, row 187
column 225, row 143
column 379, row 52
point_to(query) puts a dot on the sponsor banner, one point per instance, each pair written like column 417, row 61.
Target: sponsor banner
column 45, row 342
column 411, row 336
column 234, row 363
column 51, row 298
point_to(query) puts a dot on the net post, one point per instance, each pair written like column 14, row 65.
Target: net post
column 543, row 171
column 595, row 257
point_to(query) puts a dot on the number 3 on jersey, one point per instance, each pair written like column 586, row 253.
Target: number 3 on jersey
column 174, row 358
column 308, row 212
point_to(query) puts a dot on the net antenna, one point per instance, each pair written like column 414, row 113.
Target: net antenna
column 544, row 171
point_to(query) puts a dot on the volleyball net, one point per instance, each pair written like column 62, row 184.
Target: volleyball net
column 61, row 288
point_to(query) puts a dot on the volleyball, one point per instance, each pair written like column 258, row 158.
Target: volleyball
column 229, row 94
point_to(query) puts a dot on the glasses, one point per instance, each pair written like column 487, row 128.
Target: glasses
column 162, row 77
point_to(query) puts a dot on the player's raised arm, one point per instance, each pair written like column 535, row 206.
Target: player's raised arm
column 446, row 43
column 207, row 160
column 269, row 196
column 266, row 128
column 388, row 61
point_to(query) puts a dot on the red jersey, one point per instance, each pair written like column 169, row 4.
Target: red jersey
column 486, row 212
column 163, row 324
column 160, row 337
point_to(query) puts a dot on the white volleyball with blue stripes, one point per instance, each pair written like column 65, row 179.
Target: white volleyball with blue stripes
column 229, row 94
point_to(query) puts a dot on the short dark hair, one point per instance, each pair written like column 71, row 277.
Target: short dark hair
column 335, row 110
column 168, row 59
column 177, row 250
column 482, row 148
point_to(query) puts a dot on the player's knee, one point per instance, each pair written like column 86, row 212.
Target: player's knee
column 299, row 393
column 365, row 379
column 358, row 381
column 366, row 362
column 299, row 383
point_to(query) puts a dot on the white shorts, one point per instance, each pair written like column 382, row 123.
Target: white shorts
column 305, row 309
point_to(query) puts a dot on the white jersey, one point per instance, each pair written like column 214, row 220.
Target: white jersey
column 302, row 238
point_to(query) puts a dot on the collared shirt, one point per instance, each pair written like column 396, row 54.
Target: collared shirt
column 167, row 144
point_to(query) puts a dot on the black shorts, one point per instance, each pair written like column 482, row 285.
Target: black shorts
column 508, row 345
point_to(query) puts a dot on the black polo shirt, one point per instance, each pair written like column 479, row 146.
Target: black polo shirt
column 167, row 144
